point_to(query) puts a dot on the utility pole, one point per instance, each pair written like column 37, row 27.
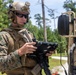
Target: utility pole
column 44, row 26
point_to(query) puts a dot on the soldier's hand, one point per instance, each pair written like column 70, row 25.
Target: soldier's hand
column 27, row 48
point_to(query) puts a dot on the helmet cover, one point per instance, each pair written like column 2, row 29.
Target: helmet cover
column 18, row 6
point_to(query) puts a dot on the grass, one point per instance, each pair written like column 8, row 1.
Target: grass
column 58, row 54
column 55, row 62
column 2, row 74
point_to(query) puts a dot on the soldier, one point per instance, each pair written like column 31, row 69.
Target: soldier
column 13, row 48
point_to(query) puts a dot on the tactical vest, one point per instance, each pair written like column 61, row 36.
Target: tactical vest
column 15, row 42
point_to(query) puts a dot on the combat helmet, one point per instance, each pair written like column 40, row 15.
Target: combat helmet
column 18, row 6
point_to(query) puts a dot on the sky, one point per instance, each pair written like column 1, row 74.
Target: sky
column 35, row 7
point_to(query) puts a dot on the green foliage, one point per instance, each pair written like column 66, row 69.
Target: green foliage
column 38, row 19
column 37, row 32
column 32, row 28
column 70, row 5
column 62, row 42
column 3, row 13
column 49, row 35
column 41, row 34
column 55, row 62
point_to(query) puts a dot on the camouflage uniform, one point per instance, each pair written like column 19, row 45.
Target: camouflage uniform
column 10, row 62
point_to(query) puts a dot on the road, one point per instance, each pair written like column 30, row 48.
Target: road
column 57, row 57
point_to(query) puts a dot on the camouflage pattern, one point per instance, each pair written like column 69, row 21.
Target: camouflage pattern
column 10, row 62
column 18, row 6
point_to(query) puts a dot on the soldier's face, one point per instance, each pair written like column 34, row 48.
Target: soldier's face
column 21, row 18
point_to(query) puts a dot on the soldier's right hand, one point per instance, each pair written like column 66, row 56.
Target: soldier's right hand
column 27, row 48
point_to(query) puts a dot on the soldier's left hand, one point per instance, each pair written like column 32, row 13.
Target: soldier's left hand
column 50, row 53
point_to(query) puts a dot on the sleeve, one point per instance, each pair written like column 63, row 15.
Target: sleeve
column 8, row 61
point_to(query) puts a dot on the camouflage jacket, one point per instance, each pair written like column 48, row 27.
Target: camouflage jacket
column 9, row 58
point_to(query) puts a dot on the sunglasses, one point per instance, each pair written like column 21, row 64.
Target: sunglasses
column 22, row 15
